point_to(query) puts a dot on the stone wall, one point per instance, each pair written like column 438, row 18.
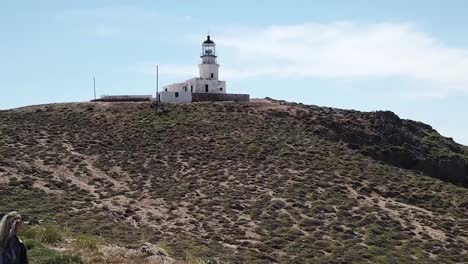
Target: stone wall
column 203, row 97
column 124, row 98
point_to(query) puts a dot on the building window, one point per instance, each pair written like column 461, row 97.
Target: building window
column 185, row 88
column 176, row 94
column 212, row 76
column 220, row 88
column 206, row 88
column 191, row 88
column 166, row 89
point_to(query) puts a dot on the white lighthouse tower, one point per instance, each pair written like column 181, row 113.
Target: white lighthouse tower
column 209, row 68
column 207, row 87
column 208, row 82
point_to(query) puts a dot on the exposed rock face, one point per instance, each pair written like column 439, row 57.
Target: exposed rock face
column 455, row 169
column 383, row 136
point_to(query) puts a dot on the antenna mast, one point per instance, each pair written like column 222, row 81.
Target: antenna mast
column 94, row 83
column 157, row 83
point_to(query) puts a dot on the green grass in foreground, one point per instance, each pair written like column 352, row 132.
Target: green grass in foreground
column 36, row 238
column 39, row 254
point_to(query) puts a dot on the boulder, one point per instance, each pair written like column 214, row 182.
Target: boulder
column 155, row 253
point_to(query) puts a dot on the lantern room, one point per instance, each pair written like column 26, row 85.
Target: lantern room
column 208, row 51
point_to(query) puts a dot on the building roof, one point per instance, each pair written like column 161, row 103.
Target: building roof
column 208, row 40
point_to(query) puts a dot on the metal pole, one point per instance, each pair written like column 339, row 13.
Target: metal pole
column 94, row 82
column 157, row 83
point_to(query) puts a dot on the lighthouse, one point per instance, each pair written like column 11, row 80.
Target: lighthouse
column 206, row 87
column 209, row 67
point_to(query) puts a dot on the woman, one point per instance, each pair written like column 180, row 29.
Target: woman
column 12, row 250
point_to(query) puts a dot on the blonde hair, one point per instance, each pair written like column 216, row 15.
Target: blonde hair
column 7, row 228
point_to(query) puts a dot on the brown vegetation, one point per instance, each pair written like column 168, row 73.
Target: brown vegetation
column 243, row 182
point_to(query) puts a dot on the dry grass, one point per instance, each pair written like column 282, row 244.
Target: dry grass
column 242, row 182
column 114, row 255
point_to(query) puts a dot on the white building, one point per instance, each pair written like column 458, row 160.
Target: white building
column 207, row 83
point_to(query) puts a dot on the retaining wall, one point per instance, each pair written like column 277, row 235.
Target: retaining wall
column 203, row 97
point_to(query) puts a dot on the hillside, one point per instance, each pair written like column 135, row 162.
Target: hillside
column 384, row 136
column 262, row 182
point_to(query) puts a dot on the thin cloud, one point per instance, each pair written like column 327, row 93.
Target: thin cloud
column 341, row 51
column 169, row 70
column 347, row 50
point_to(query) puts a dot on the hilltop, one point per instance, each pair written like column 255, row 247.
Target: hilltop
column 265, row 181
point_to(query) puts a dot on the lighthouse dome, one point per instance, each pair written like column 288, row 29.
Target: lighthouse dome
column 208, row 40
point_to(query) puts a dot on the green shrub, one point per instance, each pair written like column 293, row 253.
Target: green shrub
column 49, row 234
column 30, row 244
column 31, row 232
column 86, row 241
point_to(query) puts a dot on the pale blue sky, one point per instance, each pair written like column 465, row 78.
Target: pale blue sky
column 410, row 57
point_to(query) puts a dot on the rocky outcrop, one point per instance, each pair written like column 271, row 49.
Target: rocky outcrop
column 455, row 169
column 155, row 253
column 386, row 137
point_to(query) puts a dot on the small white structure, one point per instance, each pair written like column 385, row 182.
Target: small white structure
column 208, row 81
column 124, row 98
column 175, row 97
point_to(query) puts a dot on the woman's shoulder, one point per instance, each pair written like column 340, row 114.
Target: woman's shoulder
column 16, row 240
